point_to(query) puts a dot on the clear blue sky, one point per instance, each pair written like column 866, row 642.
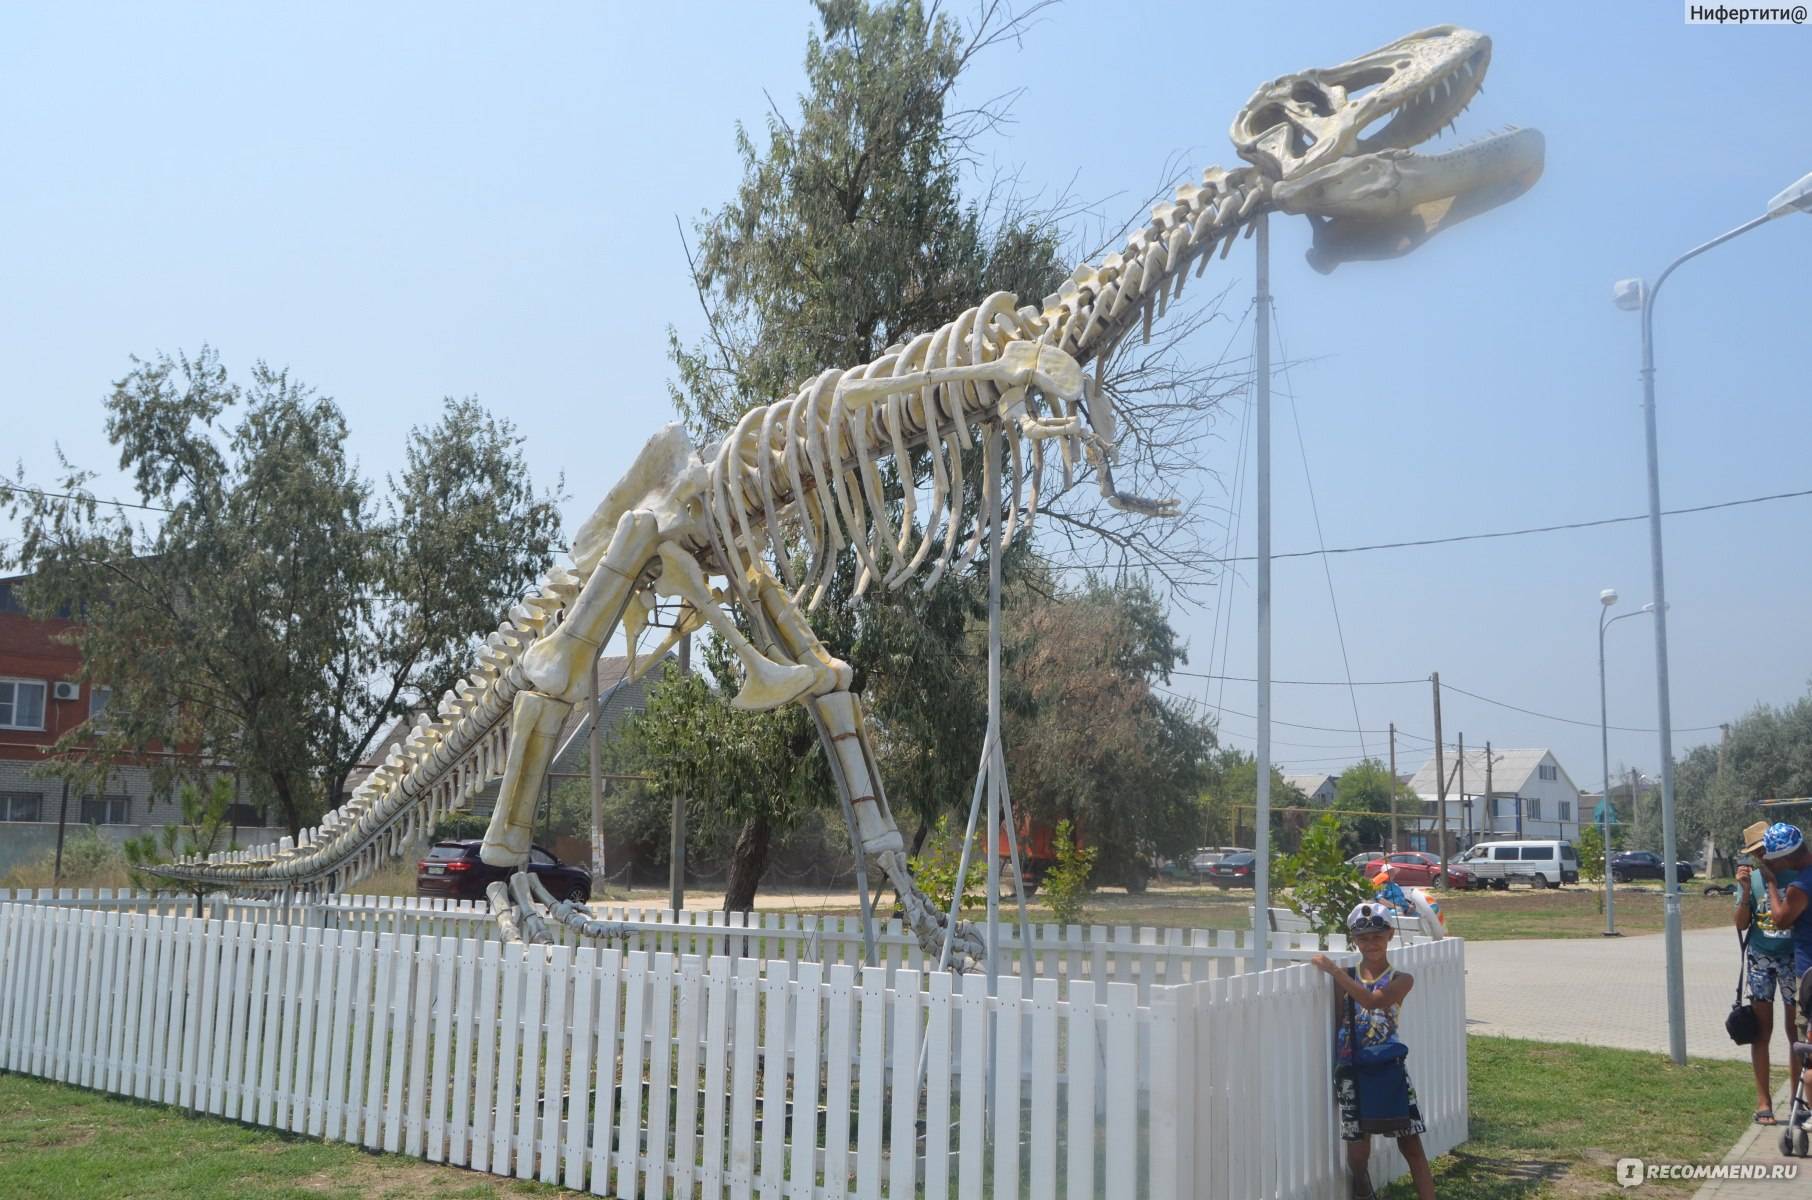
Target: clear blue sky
column 402, row 202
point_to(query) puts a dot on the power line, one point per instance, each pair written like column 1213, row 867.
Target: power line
column 1445, row 686
column 1308, row 682
column 1508, row 533
column 1327, row 571
column 1192, row 701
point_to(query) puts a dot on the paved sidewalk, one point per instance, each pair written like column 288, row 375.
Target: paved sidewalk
column 1760, row 1148
column 1605, row 991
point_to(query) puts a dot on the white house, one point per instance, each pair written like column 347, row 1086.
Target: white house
column 1318, row 788
column 1528, row 794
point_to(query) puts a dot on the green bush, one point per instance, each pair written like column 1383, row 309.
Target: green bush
column 1066, row 883
column 935, row 868
column 456, row 827
column 1590, row 845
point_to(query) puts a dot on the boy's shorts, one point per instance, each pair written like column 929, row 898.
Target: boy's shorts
column 1769, row 974
column 1346, row 1097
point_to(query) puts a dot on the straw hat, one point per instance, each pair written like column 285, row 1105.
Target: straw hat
column 1752, row 838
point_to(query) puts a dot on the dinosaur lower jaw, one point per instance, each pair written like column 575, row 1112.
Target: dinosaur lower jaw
column 1432, row 192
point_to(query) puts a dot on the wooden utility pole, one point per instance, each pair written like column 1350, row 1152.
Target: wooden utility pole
column 1396, row 842
column 1440, row 769
column 1465, row 810
column 1490, row 796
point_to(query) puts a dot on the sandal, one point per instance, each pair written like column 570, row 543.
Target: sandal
column 1765, row 1116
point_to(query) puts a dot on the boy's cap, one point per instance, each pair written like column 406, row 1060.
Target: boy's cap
column 1753, row 836
column 1368, row 918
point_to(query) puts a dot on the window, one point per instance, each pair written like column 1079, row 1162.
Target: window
column 21, row 806
column 1541, row 852
column 540, row 858
column 1548, row 771
column 1566, row 853
column 1566, row 810
column 21, row 704
column 98, row 698
column 1503, row 853
column 1532, row 808
column 243, row 814
column 105, row 810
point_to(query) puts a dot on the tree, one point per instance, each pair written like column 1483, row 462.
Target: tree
column 1232, row 794
column 757, row 771
column 1767, row 753
column 275, row 616
column 1368, row 786
column 849, row 230
column 203, row 830
column 1096, row 744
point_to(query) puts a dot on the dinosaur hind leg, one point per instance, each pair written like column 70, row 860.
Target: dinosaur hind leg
column 857, row 772
column 556, row 668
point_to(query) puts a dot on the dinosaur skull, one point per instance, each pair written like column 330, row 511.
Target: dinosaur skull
column 1337, row 144
column 1300, row 122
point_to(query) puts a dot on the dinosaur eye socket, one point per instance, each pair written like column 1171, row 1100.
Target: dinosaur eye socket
column 1312, row 97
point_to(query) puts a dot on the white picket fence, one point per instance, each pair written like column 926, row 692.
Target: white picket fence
column 1143, row 956
column 648, row 1074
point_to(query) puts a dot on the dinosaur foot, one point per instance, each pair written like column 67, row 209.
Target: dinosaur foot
column 966, row 949
column 525, row 912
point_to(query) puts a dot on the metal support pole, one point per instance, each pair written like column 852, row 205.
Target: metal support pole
column 676, row 857
column 1604, row 808
column 595, row 737
column 56, row 871
column 993, row 760
column 1261, row 867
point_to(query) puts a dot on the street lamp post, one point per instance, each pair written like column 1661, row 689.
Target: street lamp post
column 1633, row 294
column 1607, row 598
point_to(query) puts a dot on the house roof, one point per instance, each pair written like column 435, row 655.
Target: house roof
column 1308, row 785
column 1510, row 771
column 619, row 702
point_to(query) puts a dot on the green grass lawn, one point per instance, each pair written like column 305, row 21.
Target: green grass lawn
column 59, row 1142
column 1550, row 1121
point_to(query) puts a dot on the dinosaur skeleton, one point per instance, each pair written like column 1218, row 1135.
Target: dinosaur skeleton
column 803, row 472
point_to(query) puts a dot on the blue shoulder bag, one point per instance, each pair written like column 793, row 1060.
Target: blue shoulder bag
column 1380, row 1079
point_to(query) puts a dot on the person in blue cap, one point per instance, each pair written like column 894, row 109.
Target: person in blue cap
column 1786, row 868
column 1373, row 996
column 1768, row 966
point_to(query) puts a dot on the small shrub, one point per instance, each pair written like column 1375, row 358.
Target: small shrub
column 1590, row 845
column 1066, row 883
column 935, row 868
column 1324, row 887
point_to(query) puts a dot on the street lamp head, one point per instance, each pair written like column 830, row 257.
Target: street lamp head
column 1649, row 607
column 1795, row 197
column 1627, row 294
column 1607, row 597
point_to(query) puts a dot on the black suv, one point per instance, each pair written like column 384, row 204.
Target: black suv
column 454, row 870
column 1640, row 864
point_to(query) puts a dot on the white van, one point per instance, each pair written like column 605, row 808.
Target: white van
column 1542, row 863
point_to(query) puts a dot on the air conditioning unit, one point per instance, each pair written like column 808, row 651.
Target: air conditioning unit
column 65, row 690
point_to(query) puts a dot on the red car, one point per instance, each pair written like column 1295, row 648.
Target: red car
column 1410, row 868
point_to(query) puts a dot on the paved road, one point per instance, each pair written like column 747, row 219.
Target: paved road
column 1604, row 991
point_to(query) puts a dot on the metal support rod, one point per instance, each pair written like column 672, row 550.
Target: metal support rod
column 992, row 505
column 676, row 859
column 1261, row 867
column 599, row 871
column 1604, row 808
